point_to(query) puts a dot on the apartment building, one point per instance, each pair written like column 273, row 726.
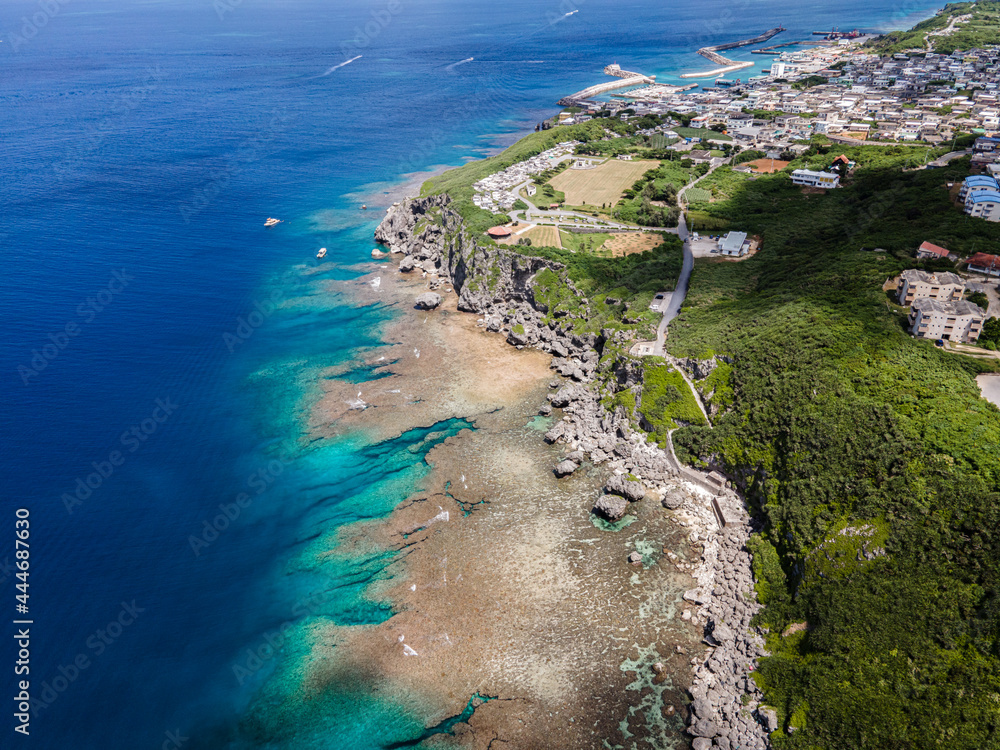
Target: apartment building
column 984, row 205
column 915, row 284
column 953, row 321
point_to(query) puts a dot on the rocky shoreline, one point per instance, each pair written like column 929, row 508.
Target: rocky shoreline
column 497, row 284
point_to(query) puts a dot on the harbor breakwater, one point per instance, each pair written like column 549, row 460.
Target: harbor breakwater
column 712, row 53
column 499, row 285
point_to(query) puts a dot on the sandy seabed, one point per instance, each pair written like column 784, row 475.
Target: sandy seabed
column 503, row 585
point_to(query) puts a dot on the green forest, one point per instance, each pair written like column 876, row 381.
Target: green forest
column 869, row 456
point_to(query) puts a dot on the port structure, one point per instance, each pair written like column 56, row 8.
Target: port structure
column 712, row 53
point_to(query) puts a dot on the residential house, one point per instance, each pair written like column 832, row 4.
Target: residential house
column 984, row 263
column 810, row 178
column 930, row 251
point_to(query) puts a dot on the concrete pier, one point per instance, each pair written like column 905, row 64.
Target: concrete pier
column 712, row 53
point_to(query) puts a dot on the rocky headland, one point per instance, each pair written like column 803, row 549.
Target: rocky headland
column 500, row 286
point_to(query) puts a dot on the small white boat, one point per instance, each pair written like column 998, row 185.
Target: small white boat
column 321, row 253
column 271, row 222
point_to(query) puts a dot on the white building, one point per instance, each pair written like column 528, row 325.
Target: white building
column 984, row 205
column 734, row 244
column 809, row 178
column 954, row 321
column 915, row 284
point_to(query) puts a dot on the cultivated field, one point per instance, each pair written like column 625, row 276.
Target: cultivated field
column 603, row 184
column 627, row 244
column 766, row 166
column 544, row 236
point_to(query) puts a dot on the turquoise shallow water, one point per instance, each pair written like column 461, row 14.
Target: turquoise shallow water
column 144, row 145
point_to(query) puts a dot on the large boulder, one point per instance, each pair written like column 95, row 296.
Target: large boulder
column 378, row 254
column 563, row 397
column 704, row 728
column 702, row 743
column 722, row 634
column 769, row 717
column 407, row 264
column 611, row 507
column 565, row 468
column 631, row 490
column 428, row 301
column 673, row 500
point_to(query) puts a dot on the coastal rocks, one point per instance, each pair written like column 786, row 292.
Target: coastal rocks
column 556, row 433
column 631, row 490
column 611, row 507
column 407, row 264
column 428, row 301
column 700, row 743
column 378, row 254
column 635, row 558
column 565, row 468
column 672, row 500
column 545, row 410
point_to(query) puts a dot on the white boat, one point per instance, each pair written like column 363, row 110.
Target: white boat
column 321, row 253
column 271, row 222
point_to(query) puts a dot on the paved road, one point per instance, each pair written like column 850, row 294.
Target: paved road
column 673, row 306
column 943, row 161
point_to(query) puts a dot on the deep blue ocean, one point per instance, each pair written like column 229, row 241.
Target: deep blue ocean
column 160, row 349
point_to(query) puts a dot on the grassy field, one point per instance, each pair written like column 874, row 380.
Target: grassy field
column 546, row 236
column 603, row 184
column 697, row 194
column 586, row 243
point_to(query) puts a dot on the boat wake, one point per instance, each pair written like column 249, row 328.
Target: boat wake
column 460, row 62
column 338, row 67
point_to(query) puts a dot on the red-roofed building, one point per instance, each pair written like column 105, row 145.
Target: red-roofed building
column 498, row 233
column 984, row 263
column 929, row 251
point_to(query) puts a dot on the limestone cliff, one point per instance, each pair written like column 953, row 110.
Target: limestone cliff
column 491, row 280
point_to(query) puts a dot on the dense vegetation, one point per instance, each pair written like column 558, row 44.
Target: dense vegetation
column 981, row 31
column 870, row 455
